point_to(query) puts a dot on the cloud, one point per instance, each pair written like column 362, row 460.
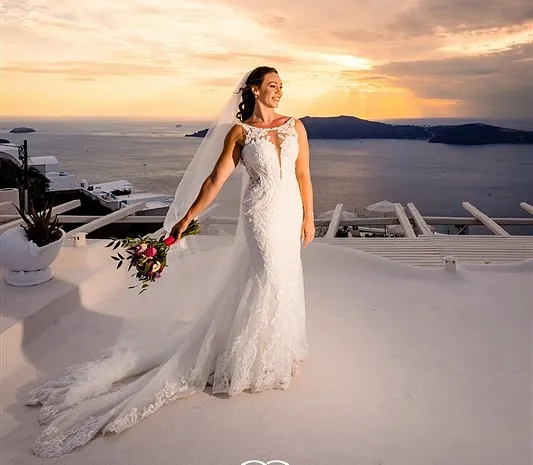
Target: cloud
column 473, row 55
column 258, row 57
column 469, row 54
column 81, row 79
column 191, row 38
column 498, row 83
column 432, row 17
column 88, row 69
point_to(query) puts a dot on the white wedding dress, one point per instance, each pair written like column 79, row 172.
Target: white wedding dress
column 251, row 337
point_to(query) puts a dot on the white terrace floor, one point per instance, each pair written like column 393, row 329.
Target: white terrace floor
column 408, row 365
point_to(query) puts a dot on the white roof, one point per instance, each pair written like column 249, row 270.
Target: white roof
column 47, row 160
column 11, row 151
column 410, row 348
column 141, row 195
column 156, row 204
column 112, row 185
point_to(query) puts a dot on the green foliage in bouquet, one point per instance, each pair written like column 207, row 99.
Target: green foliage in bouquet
column 41, row 227
column 147, row 255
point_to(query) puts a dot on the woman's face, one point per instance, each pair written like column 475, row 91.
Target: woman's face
column 271, row 90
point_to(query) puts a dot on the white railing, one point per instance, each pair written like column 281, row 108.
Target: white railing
column 124, row 215
column 430, row 220
column 404, row 221
column 335, row 221
column 204, row 216
column 55, row 211
column 107, row 219
column 488, row 222
column 420, row 223
column 527, row 207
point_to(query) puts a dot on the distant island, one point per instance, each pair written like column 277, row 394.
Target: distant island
column 350, row 127
column 22, row 130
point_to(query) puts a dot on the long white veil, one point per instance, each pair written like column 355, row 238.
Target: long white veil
column 168, row 331
column 227, row 202
column 193, row 279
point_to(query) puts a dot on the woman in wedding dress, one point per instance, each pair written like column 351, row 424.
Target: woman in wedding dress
column 251, row 335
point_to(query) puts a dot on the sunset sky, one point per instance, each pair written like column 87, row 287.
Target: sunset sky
column 182, row 58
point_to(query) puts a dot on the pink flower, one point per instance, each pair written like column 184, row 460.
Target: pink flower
column 150, row 252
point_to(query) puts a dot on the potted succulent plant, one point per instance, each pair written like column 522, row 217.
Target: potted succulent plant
column 30, row 249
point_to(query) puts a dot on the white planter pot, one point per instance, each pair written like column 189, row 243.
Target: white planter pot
column 27, row 263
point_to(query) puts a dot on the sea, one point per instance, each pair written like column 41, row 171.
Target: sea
column 437, row 178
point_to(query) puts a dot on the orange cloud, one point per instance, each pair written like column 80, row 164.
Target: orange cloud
column 183, row 57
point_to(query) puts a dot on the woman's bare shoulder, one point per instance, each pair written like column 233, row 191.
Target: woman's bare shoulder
column 299, row 125
column 236, row 134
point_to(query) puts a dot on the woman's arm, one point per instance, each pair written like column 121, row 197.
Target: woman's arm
column 226, row 163
column 303, row 175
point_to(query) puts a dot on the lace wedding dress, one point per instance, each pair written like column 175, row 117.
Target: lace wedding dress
column 252, row 337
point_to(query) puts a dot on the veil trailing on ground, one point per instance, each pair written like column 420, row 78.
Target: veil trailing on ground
column 169, row 330
column 193, row 281
column 188, row 269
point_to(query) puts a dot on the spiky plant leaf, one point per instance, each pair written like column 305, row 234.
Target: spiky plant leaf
column 41, row 227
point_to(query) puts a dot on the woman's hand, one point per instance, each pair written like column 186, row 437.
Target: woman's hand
column 179, row 228
column 308, row 231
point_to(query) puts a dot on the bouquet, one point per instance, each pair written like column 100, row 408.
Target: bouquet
column 147, row 255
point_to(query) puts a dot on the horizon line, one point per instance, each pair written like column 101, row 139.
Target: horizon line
column 211, row 118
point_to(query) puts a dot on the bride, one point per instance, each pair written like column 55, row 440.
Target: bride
column 250, row 334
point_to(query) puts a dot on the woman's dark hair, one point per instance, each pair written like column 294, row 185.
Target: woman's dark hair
column 246, row 107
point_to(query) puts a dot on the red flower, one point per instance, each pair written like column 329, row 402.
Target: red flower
column 150, row 252
column 169, row 241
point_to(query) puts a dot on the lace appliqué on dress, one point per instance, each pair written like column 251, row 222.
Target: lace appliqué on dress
column 65, row 443
column 260, row 348
column 254, row 136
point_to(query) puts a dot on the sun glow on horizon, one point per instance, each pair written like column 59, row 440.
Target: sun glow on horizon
column 182, row 59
